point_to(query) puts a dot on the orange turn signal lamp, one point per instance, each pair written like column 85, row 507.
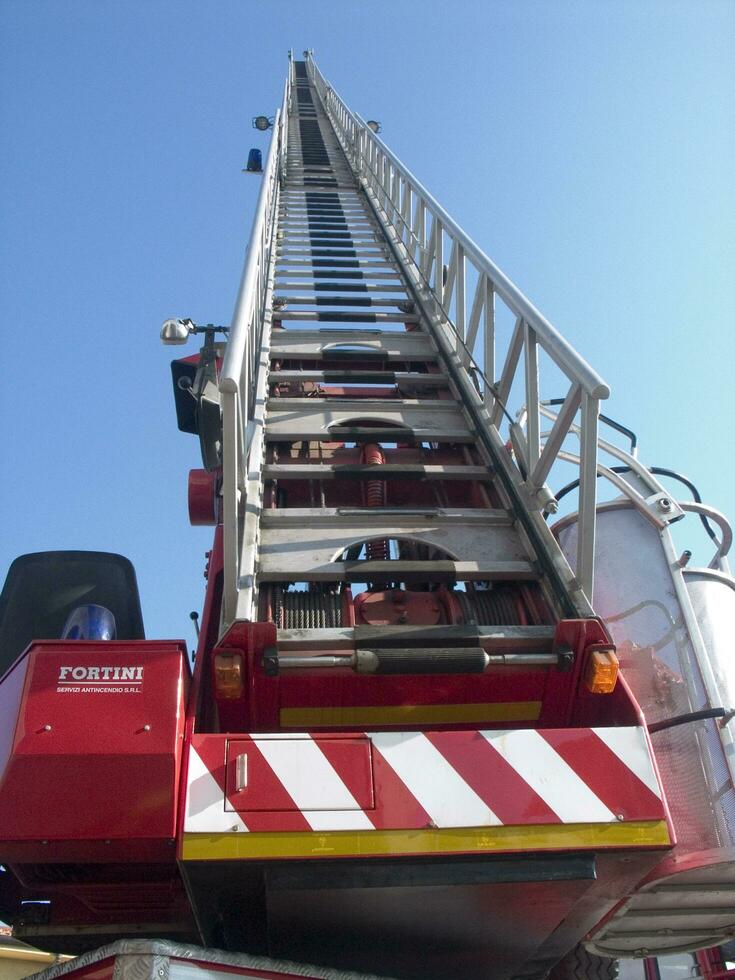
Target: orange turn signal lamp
column 228, row 675
column 601, row 670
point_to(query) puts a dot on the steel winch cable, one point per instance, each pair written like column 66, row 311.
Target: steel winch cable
column 308, row 610
column 495, row 607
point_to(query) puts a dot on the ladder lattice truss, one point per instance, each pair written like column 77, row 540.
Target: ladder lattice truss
column 363, row 393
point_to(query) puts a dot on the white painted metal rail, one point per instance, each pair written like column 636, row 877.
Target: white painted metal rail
column 246, row 358
column 423, row 234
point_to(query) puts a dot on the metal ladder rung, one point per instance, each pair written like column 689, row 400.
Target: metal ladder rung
column 312, row 215
column 313, row 200
column 286, row 252
column 320, row 263
column 352, row 287
column 297, row 166
column 292, row 194
column 338, row 249
column 312, row 544
column 336, row 236
column 321, row 241
column 310, row 203
column 365, row 377
column 337, row 300
column 320, row 419
column 362, row 471
column 347, row 317
column 341, row 273
column 306, row 209
column 401, row 571
column 340, row 232
column 336, row 220
column 326, row 241
column 338, row 212
column 321, row 213
column 379, row 344
column 388, row 520
column 360, row 435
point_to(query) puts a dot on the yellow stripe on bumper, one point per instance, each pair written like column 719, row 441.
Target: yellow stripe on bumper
column 239, row 845
column 409, row 714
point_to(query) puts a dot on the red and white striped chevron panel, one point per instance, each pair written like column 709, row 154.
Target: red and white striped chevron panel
column 414, row 780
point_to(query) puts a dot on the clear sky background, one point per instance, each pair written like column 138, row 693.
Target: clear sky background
column 588, row 147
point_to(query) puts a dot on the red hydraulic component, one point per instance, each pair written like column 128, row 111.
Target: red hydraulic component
column 398, row 607
column 203, row 488
column 375, row 496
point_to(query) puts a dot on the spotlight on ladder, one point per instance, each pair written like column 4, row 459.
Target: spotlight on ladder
column 374, row 125
column 262, row 123
column 174, row 332
column 178, row 331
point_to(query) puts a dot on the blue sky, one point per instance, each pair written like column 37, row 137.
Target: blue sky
column 588, row 147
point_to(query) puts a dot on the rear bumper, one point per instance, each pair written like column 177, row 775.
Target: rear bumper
column 410, row 793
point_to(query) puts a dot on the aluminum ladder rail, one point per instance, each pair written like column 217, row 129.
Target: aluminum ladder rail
column 397, row 236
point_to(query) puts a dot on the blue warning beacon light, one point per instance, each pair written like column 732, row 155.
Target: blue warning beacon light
column 255, row 162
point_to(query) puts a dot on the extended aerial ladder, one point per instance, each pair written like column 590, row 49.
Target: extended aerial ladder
column 407, row 746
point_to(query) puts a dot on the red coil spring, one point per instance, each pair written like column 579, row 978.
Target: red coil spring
column 375, row 496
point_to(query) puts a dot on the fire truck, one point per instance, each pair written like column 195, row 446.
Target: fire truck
column 460, row 706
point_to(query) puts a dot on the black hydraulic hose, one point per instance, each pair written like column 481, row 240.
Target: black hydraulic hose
column 649, row 604
column 657, row 471
column 662, row 471
column 608, row 421
column 660, row 726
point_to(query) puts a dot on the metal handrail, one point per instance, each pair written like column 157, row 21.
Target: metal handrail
column 420, row 230
column 719, row 560
column 676, row 563
column 242, row 364
column 590, row 380
column 231, row 374
column 647, row 479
